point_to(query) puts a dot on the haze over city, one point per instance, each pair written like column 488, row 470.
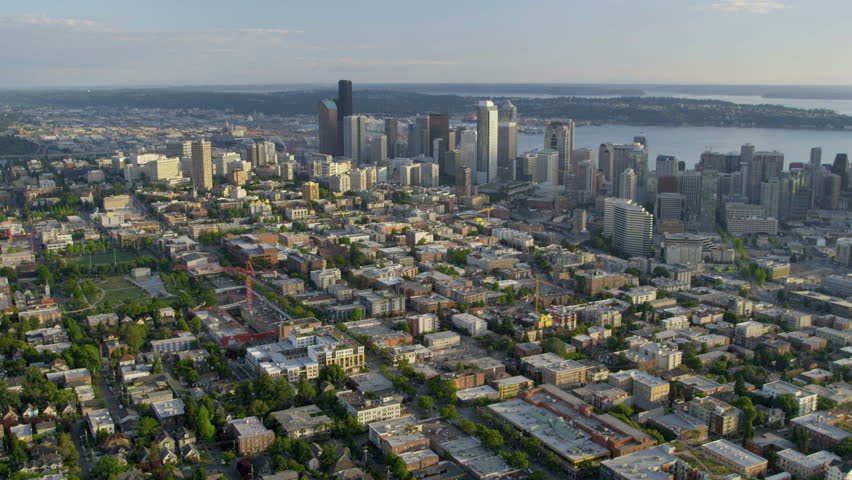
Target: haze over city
column 104, row 43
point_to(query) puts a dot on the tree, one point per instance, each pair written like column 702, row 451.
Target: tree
column 199, row 474
column 425, row 402
column 554, row 345
column 107, row 466
column 788, row 403
column 825, row 403
column 157, row 366
column 328, row 455
column 332, row 374
column 203, row 426
column 147, row 427
column 357, row 313
column 661, row 271
column 518, row 459
column 760, row 276
column 491, row 439
column 622, row 409
column 448, row 412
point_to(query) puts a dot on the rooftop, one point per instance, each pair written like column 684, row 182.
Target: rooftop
column 735, row 454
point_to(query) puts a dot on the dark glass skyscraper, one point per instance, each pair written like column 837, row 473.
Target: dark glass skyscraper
column 344, row 108
column 328, row 128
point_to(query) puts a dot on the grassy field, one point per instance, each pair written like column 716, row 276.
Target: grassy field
column 119, row 289
column 103, row 258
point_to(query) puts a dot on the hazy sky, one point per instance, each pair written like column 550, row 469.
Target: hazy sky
column 192, row 42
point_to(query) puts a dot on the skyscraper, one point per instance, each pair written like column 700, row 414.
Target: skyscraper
column 507, row 140
column 486, row 145
column 764, row 166
column 392, row 132
column 709, row 200
column 585, row 182
column 355, row 138
column 690, row 187
column 631, row 225
column 627, row 189
column 840, row 167
column 547, row 167
column 418, row 137
column 328, row 128
column 261, row 153
column 467, row 147
column 559, row 136
column 344, row 109
column 816, row 157
column 202, row 166
column 463, row 182
column 770, row 198
column 310, row 191
column 439, row 128
column 666, row 166
column 379, row 150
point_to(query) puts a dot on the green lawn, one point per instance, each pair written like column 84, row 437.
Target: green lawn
column 102, row 258
column 119, row 289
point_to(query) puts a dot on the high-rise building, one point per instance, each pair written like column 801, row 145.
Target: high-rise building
column 585, row 182
column 452, row 162
column 721, row 162
column 355, row 138
column 183, row 151
column 467, row 148
column 392, row 132
column 830, row 191
column 418, row 137
column 840, row 167
column 816, row 157
column 637, row 160
column 627, row 189
column 666, row 166
column 261, row 153
column 379, row 150
column 669, row 206
column 202, row 166
column 632, row 227
column 547, row 167
column 439, row 129
column 690, row 187
column 764, row 166
column 328, row 128
column 344, row 109
column 463, row 182
column 559, row 136
column 770, row 198
column 310, row 191
column 486, row 145
column 709, row 201
column 507, row 140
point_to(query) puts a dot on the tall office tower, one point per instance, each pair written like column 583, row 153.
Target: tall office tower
column 831, row 184
column 841, row 167
column 179, row 149
column 467, row 147
column 669, row 206
column 261, row 154
column 746, row 153
column 202, row 166
column 627, row 187
column 800, row 203
column 721, row 162
column 559, row 136
column 452, row 162
column 344, row 109
column 606, row 158
column 379, row 150
column 355, row 138
column 770, row 198
column 666, row 166
column 641, row 140
column 585, row 182
column 507, row 140
column 765, row 166
column 418, row 137
column 547, row 167
column 392, row 132
column 816, row 157
column 583, row 154
column 310, row 191
column 632, row 227
column 690, row 187
column 439, row 128
column 637, row 160
column 486, row 142
column 328, row 128
column 614, row 159
column 464, row 179
column 709, row 200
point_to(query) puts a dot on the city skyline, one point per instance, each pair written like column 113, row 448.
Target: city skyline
column 106, row 44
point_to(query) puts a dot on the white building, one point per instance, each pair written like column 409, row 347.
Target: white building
column 807, row 401
column 474, row 326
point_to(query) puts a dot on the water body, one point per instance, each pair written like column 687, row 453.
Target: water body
column 843, row 107
column 687, row 143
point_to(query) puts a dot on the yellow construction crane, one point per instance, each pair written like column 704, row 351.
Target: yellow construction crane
column 488, row 211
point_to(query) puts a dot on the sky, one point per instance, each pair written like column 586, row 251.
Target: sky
column 212, row 42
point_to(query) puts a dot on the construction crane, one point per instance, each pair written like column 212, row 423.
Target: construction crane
column 487, row 211
column 248, row 271
column 538, row 282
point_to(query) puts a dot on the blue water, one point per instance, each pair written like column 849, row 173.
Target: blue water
column 687, row 143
